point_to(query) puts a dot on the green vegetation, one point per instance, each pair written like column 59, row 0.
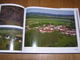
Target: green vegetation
column 53, row 39
column 17, row 44
column 35, row 22
column 5, row 42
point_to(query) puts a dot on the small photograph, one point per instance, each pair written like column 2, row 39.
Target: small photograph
column 11, row 15
column 10, row 38
column 50, row 28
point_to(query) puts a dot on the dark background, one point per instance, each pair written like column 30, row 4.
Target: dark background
column 43, row 3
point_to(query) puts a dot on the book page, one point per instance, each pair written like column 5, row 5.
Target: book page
column 11, row 27
column 51, row 30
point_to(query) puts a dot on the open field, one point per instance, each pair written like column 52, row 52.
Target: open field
column 6, row 35
column 50, row 39
column 34, row 22
column 54, row 39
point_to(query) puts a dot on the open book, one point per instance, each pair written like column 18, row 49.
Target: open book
column 39, row 29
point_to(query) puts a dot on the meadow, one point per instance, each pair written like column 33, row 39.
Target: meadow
column 53, row 39
column 5, row 37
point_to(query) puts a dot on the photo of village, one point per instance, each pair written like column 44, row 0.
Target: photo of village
column 50, row 28
column 11, row 23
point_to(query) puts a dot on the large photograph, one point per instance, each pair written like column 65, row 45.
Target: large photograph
column 50, row 28
column 11, row 23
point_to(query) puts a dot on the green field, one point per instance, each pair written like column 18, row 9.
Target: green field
column 35, row 22
column 53, row 39
column 5, row 43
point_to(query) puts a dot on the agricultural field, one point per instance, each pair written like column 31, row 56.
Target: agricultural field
column 43, row 30
column 6, row 37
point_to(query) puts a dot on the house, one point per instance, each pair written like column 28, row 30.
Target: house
column 48, row 28
column 63, row 29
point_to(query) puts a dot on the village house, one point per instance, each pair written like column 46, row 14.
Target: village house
column 51, row 28
column 48, row 28
column 70, row 32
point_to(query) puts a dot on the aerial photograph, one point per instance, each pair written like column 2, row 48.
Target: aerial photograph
column 11, row 15
column 11, row 23
column 50, row 28
column 10, row 38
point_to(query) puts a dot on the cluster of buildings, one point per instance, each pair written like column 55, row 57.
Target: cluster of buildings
column 61, row 28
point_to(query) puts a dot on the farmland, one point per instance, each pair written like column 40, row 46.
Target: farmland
column 6, row 34
column 49, row 39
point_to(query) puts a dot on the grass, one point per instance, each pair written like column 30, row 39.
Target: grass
column 35, row 22
column 53, row 39
column 17, row 45
column 5, row 43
